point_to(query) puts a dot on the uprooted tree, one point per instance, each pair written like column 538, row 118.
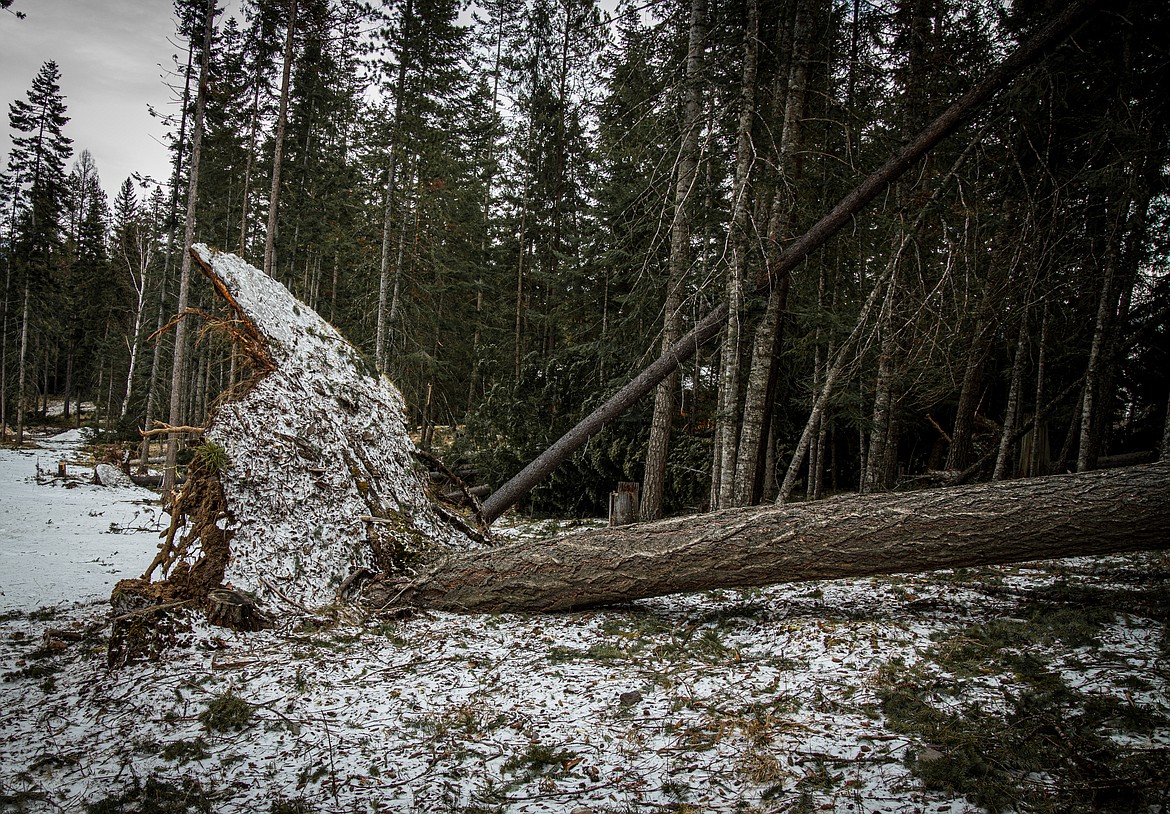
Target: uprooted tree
column 306, row 489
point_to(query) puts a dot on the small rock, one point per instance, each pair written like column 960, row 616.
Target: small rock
column 628, row 699
column 929, row 755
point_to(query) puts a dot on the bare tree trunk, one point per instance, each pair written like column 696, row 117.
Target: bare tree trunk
column 178, row 367
column 1039, row 454
column 654, row 477
column 761, row 385
column 727, row 418
column 384, row 273
column 22, row 368
column 1009, row 521
column 1106, row 310
column 143, row 252
column 156, row 355
column 247, row 182
column 1013, row 401
column 1164, row 453
column 518, row 335
column 959, row 455
column 4, row 354
column 278, row 151
column 155, row 360
column 399, row 258
column 873, row 478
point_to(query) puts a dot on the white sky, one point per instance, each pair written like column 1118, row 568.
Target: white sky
column 112, row 55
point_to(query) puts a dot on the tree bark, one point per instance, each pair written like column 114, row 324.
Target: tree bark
column 654, row 475
column 177, row 368
column 1008, row 521
column 278, row 150
column 727, row 419
column 1012, row 411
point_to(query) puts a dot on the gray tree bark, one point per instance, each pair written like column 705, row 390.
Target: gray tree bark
column 278, row 151
column 1012, row 412
column 654, row 476
column 727, row 417
column 1007, row 521
column 761, row 383
column 178, row 367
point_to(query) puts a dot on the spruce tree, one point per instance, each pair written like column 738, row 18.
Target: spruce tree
column 36, row 167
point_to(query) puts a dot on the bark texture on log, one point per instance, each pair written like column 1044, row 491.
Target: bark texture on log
column 1007, row 521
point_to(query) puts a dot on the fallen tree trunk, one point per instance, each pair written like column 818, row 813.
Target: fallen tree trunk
column 1007, row 521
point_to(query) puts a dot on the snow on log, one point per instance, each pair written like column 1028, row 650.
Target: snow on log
column 1008, row 521
column 306, row 478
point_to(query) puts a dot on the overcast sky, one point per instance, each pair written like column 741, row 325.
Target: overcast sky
column 112, row 55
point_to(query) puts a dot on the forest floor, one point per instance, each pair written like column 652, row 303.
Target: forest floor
column 1039, row 687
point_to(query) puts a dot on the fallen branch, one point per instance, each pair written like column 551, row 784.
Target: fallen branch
column 164, row 429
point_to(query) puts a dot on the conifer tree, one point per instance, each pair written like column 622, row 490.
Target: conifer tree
column 36, row 167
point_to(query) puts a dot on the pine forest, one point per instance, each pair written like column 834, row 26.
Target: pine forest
column 512, row 208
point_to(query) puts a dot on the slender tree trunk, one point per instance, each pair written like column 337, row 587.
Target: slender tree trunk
column 139, row 307
column 1106, row 311
column 518, row 333
column 1012, row 412
column 22, row 368
column 278, row 151
column 384, row 271
column 172, row 225
column 759, row 395
column 4, row 354
column 175, row 416
column 155, row 363
column 727, row 419
column 654, row 477
column 1164, row 453
column 255, row 118
column 1039, row 454
column 962, row 436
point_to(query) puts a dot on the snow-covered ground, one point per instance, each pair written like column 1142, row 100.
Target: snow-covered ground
column 68, row 539
column 795, row 698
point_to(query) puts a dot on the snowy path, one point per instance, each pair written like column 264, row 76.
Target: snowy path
column 68, row 540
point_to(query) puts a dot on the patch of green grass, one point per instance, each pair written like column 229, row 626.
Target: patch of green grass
column 213, row 456
column 284, row 805
column 1014, row 643
column 226, row 713
column 33, row 671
